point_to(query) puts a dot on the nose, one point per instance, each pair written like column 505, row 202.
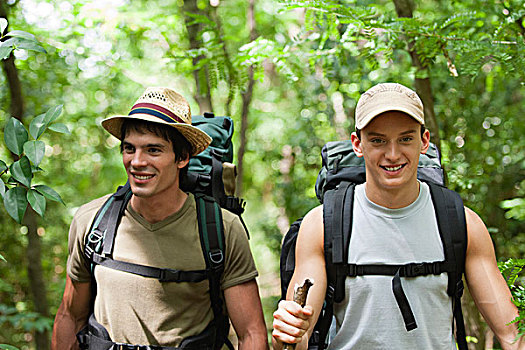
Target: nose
column 392, row 152
column 138, row 159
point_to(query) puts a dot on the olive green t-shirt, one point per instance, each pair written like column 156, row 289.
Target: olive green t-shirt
column 140, row 310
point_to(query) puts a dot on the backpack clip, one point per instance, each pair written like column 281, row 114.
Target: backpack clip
column 167, row 275
column 216, row 256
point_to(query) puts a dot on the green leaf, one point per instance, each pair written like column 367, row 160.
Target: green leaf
column 8, row 347
column 3, row 25
column 37, row 201
column 30, row 45
column 5, row 51
column 15, row 202
column 52, row 114
column 35, row 151
column 37, row 126
column 59, row 127
column 3, row 166
column 2, row 258
column 2, row 188
column 49, row 193
column 21, row 34
column 15, row 135
column 21, row 171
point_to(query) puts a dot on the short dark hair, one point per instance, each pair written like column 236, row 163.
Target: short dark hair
column 181, row 146
column 358, row 132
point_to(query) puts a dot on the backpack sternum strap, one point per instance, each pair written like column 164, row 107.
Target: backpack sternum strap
column 163, row 275
column 406, row 270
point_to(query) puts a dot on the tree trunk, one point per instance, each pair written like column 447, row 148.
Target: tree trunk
column 246, row 100
column 423, row 87
column 202, row 93
column 33, row 252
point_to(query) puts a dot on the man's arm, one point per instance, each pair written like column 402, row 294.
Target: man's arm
column 245, row 311
column 71, row 316
column 293, row 324
column 486, row 284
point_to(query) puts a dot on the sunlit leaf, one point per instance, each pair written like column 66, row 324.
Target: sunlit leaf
column 5, row 51
column 3, row 25
column 21, row 171
column 8, row 347
column 49, row 193
column 37, row 201
column 15, row 202
column 21, row 34
column 30, row 45
column 52, row 114
column 59, row 127
column 3, row 259
column 2, row 188
column 35, row 151
column 37, row 126
column 3, row 166
column 15, row 135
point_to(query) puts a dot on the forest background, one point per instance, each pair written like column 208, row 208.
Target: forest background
column 289, row 73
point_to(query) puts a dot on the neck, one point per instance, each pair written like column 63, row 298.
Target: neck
column 158, row 208
column 394, row 198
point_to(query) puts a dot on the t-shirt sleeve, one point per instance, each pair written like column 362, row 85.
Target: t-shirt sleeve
column 239, row 264
column 77, row 265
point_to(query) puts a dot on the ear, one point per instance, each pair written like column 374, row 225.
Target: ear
column 425, row 141
column 183, row 162
column 356, row 144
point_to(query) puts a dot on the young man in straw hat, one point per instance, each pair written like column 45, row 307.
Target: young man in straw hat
column 159, row 228
column 394, row 223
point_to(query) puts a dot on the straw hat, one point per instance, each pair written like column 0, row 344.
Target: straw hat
column 163, row 106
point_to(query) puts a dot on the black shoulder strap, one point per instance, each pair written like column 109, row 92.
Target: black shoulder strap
column 450, row 214
column 211, row 232
column 337, row 221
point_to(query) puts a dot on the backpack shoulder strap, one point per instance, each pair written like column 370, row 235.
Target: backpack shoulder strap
column 211, row 233
column 450, row 214
column 337, row 218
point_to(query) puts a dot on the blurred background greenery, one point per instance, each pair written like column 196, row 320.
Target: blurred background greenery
column 289, row 73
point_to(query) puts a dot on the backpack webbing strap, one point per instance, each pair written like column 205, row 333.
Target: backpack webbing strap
column 163, row 275
column 452, row 226
column 211, row 231
column 403, row 304
column 217, row 186
column 122, row 197
column 341, row 202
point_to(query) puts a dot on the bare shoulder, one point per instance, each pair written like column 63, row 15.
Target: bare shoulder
column 478, row 236
column 311, row 232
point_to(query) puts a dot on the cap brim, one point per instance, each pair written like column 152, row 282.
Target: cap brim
column 198, row 139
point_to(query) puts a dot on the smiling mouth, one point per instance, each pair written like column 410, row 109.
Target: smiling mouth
column 143, row 177
column 393, row 168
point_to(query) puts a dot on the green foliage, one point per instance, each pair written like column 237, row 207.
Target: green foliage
column 18, row 190
column 511, row 270
column 16, row 39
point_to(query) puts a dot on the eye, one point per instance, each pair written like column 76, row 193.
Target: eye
column 377, row 141
column 128, row 148
column 154, row 150
column 407, row 139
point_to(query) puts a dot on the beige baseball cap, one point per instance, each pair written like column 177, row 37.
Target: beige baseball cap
column 388, row 97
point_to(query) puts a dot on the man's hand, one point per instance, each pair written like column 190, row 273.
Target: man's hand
column 290, row 323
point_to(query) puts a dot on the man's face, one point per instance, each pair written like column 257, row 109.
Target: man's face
column 150, row 164
column 391, row 144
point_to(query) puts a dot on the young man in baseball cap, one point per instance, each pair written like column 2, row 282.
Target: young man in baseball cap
column 158, row 231
column 394, row 223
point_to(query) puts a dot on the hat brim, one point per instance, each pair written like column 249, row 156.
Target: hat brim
column 198, row 139
column 374, row 113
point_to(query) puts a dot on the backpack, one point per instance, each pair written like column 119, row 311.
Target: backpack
column 206, row 180
column 341, row 171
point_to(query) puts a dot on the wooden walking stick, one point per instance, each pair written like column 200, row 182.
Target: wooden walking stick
column 299, row 296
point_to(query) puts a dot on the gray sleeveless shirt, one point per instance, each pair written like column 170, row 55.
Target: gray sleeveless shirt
column 369, row 318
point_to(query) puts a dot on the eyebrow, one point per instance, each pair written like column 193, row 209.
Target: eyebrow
column 407, row 132
column 149, row 145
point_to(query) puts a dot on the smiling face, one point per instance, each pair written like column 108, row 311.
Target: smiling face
column 151, row 165
column 391, row 144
